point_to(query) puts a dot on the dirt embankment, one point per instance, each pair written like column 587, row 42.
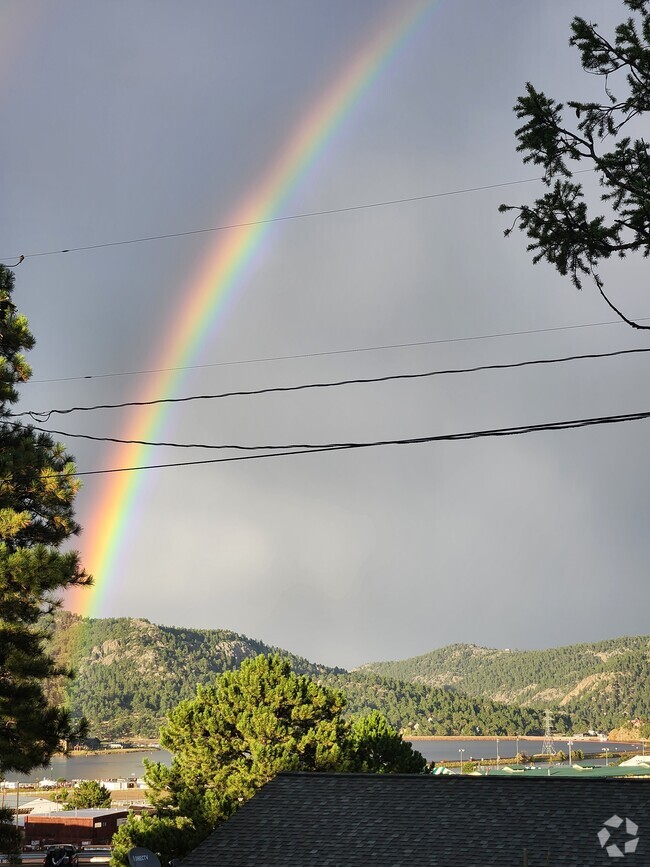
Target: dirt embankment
column 629, row 735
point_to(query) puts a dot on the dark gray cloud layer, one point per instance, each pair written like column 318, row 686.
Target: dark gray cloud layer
column 128, row 119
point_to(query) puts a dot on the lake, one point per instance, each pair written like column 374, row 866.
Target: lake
column 102, row 767
column 128, row 764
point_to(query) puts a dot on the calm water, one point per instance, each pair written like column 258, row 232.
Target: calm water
column 103, row 767
column 118, row 764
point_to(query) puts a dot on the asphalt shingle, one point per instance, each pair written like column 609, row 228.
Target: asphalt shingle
column 332, row 820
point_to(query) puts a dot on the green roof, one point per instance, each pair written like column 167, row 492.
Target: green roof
column 582, row 770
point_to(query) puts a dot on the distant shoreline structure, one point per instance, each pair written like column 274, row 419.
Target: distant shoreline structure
column 556, row 737
column 106, row 752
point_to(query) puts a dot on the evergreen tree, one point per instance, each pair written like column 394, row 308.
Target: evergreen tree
column 561, row 228
column 87, row 795
column 37, row 489
column 168, row 836
column 376, row 748
column 236, row 735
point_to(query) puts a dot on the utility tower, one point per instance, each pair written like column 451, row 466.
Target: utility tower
column 548, row 749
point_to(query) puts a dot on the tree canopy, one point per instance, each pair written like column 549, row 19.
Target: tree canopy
column 563, row 229
column 236, row 735
column 257, row 721
column 37, row 490
column 88, row 794
column 167, row 836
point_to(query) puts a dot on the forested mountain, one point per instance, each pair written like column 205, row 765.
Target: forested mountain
column 418, row 709
column 598, row 685
column 131, row 673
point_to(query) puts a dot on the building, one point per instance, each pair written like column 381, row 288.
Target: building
column 40, row 806
column 582, row 769
column 122, row 784
column 385, row 820
column 90, row 827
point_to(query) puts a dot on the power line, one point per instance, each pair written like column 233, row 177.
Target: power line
column 44, row 415
column 285, row 218
column 171, row 445
column 467, row 435
column 348, row 351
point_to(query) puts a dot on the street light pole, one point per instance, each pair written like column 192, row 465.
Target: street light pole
column 569, row 744
column 497, row 754
column 461, row 761
column 606, row 757
column 517, row 753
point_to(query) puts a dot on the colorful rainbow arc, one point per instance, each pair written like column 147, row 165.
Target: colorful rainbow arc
column 223, row 271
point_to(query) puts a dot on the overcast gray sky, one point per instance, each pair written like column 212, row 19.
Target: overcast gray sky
column 139, row 118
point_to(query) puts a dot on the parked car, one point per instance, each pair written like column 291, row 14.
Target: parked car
column 61, row 856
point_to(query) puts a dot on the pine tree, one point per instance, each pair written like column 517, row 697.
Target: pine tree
column 87, row 795
column 236, row 735
column 37, row 490
column 561, row 225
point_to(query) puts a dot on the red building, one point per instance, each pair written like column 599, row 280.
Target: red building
column 94, row 827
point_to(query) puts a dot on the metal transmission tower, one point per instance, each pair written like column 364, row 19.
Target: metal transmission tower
column 548, row 749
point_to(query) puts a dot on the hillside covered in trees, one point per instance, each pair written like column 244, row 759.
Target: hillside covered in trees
column 597, row 685
column 131, row 673
column 418, row 709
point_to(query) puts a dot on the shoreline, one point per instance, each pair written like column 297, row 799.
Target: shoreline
column 560, row 738
column 86, row 753
column 486, row 738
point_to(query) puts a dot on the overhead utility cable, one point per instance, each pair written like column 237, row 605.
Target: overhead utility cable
column 174, row 445
column 280, row 219
column 43, row 415
column 347, row 351
column 325, row 446
column 330, row 447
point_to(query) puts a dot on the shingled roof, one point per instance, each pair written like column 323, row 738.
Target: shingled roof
column 321, row 820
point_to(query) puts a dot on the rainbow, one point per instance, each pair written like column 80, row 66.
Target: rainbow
column 221, row 275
